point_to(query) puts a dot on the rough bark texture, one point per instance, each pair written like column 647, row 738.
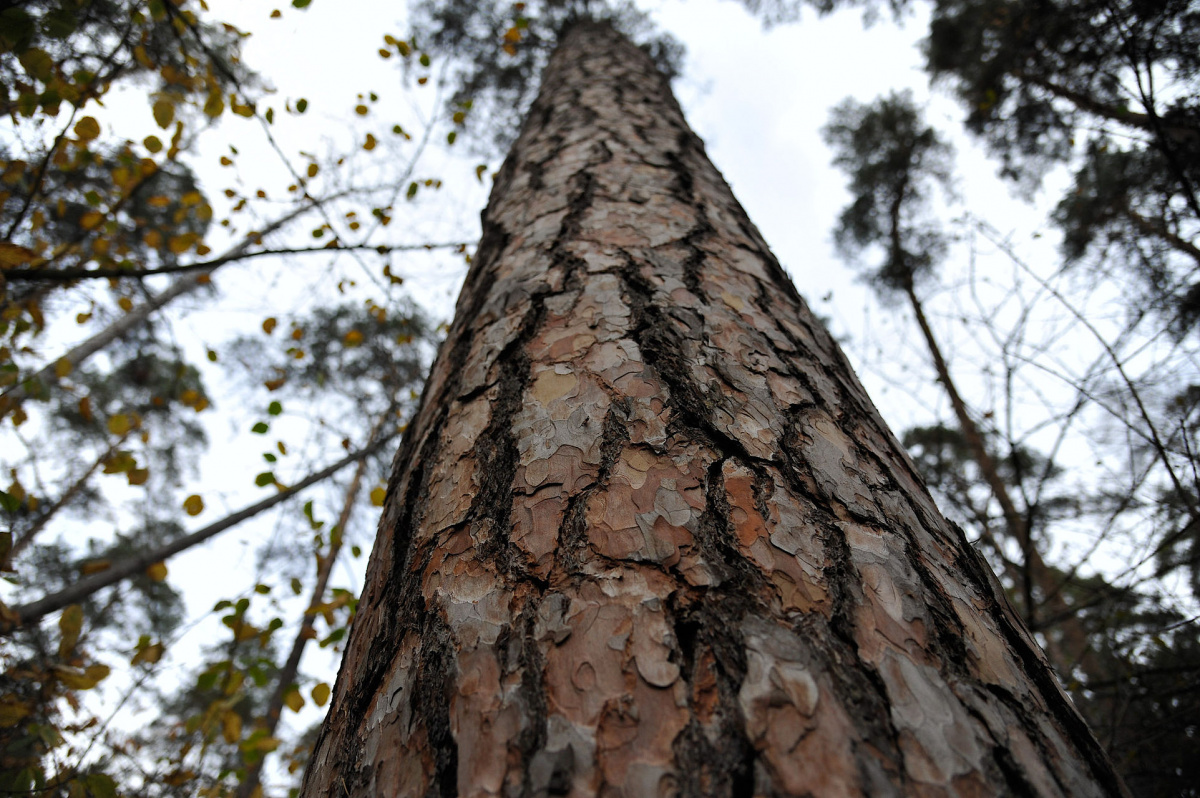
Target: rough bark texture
column 648, row 536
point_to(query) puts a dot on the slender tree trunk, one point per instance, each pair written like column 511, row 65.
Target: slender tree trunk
column 67, row 496
column 250, row 785
column 648, row 536
column 34, row 611
column 1066, row 637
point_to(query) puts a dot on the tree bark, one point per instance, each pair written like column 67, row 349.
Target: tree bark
column 647, row 535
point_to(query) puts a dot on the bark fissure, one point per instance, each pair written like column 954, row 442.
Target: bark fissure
column 573, row 548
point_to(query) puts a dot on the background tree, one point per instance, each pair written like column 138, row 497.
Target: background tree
column 1095, row 633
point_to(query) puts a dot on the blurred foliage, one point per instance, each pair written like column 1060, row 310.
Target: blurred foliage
column 498, row 83
column 100, row 446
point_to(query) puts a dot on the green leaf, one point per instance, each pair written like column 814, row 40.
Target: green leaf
column 301, row 3
column 264, row 479
column 100, row 785
column 412, row 190
column 274, row 409
column 60, row 23
column 334, row 637
column 260, row 428
column 301, row 105
column 10, row 504
column 16, row 29
column 270, row 458
column 38, row 63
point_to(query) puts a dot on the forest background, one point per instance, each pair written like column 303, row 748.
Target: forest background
column 306, row 182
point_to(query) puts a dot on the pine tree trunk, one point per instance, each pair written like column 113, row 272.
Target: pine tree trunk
column 647, row 535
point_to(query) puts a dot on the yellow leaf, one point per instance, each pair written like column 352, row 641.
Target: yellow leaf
column 125, row 303
column 81, row 678
column 268, row 325
column 94, row 567
column 138, row 476
column 158, row 201
column 215, row 105
column 157, row 572
column 370, row 142
column 320, row 694
column 231, row 727
column 182, row 243
column 193, row 505
column 313, row 169
column 353, row 338
column 87, row 128
column 91, row 220
column 512, row 35
column 85, row 408
column 377, row 496
column 11, row 714
column 293, row 700
column 62, row 367
column 361, row 110
column 152, row 143
column 70, row 623
column 14, row 255
column 267, row 744
column 153, row 238
column 119, row 463
column 148, row 654
column 164, row 113
column 119, row 424
column 509, row 48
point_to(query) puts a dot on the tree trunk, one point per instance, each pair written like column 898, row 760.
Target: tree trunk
column 648, row 536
